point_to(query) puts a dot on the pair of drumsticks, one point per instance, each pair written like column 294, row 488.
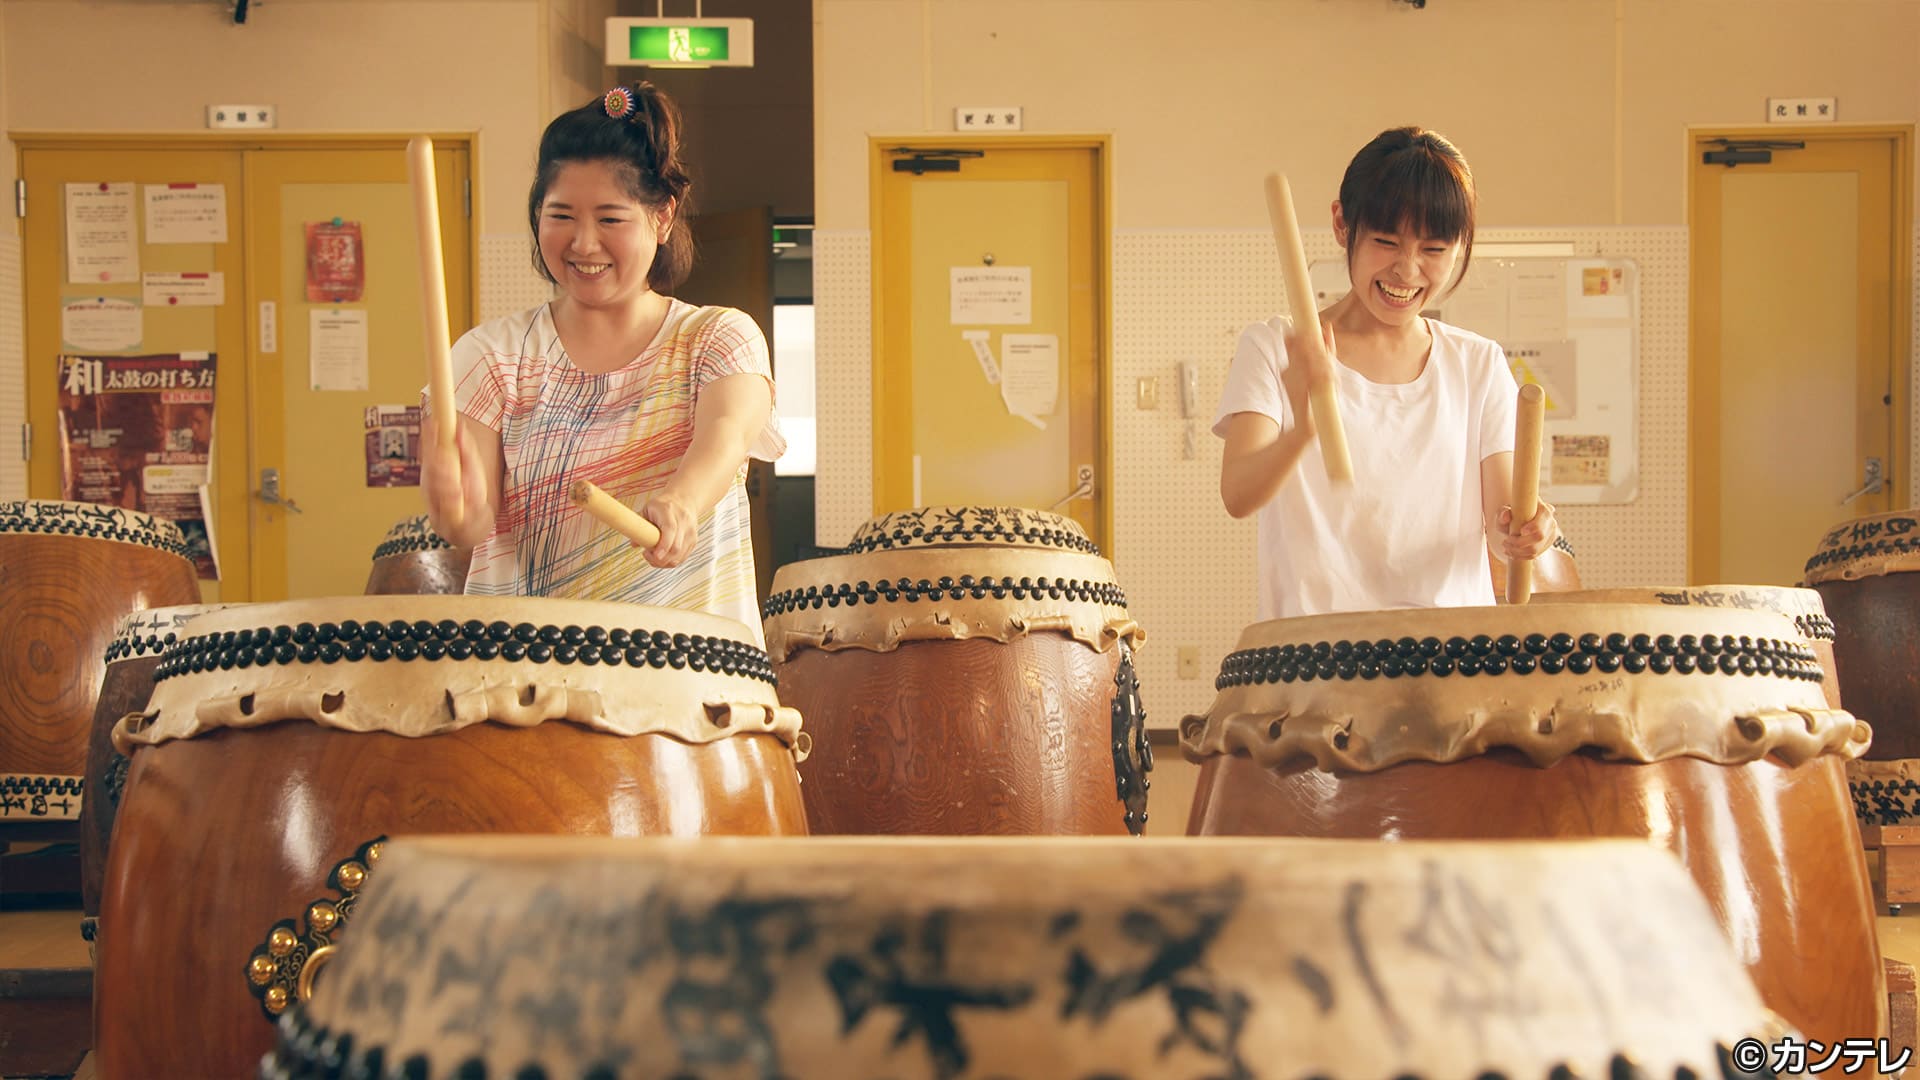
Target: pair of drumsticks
column 1323, row 399
column 433, row 284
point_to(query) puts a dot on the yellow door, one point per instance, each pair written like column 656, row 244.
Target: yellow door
column 1798, row 296
column 48, row 165
column 990, row 364
column 312, row 392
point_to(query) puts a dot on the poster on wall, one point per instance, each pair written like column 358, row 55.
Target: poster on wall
column 336, row 262
column 393, row 446
column 186, row 213
column 137, row 432
column 100, row 233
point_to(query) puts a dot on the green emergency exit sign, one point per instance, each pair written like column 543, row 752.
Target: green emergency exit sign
column 680, row 42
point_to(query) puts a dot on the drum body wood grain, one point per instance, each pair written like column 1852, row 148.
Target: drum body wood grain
column 1876, row 645
column 240, row 846
column 1742, row 776
column 963, row 671
column 1770, row 846
column 958, row 737
column 68, row 572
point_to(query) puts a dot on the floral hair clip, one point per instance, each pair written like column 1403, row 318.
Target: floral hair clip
column 620, row 103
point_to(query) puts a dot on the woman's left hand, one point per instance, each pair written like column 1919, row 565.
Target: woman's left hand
column 1531, row 540
column 678, row 529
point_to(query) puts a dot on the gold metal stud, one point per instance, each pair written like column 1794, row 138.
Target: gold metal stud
column 281, row 941
column 352, row 876
column 322, row 917
column 276, row 999
column 374, row 852
column 260, row 969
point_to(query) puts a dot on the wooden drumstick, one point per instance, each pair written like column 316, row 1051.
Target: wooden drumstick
column 1323, row 392
column 1527, row 421
column 613, row 513
column 433, row 297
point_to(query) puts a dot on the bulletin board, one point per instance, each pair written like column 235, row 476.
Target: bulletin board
column 1570, row 325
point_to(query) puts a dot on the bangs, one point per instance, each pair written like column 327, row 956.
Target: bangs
column 1419, row 191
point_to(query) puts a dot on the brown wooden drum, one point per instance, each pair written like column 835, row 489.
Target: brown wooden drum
column 1702, row 730
column 285, row 742
column 1803, row 606
column 1042, row 959
column 68, row 572
column 1865, row 571
column 963, row 671
column 138, row 641
column 415, row 560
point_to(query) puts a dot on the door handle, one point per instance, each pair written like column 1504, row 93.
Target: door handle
column 1875, row 481
column 270, row 491
column 1084, row 490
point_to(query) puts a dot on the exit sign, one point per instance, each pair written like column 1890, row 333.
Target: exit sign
column 679, row 43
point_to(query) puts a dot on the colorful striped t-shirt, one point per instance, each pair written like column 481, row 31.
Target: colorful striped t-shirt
column 625, row 431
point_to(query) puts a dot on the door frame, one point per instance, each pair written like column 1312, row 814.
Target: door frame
column 1703, row 360
column 879, row 158
column 243, row 586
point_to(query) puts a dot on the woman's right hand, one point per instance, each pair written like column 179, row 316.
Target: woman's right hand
column 1303, row 367
column 454, row 481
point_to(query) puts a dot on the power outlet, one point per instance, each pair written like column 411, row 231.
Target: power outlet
column 246, row 117
column 1148, row 393
column 1187, row 661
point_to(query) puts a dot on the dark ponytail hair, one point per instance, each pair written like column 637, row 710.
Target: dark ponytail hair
column 644, row 151
column 1414, row 178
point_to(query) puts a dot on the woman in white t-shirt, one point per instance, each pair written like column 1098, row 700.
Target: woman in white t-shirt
column 1428, row 409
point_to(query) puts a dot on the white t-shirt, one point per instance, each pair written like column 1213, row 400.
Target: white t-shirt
column 1410, row 532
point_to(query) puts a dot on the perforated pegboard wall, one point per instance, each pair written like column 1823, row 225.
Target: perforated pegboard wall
column 508, row 283
column 843, row 383
column 13, row 369
column 1913, row 381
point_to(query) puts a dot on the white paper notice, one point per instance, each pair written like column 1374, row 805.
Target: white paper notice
column 100, row 324
column 1538, row 301
column 100, row 233
column 337, row 349
column 186, row 213
column 991, row 295
column 184, row 290
column 1030, row 375
column 982, row 342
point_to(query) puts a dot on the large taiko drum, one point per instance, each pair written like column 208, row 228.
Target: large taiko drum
column 1866, row 572
column 416, row 561
column 1029, row 958
column 1803, row 606
column 68, row 572
column 284, row 743
column 1702, row 730
column 138, row 641
column 963, row 671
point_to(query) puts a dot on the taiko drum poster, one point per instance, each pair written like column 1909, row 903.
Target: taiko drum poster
column 137, row 432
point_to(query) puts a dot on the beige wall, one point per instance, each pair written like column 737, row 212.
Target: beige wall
column 1571, row 111
column 327, row 65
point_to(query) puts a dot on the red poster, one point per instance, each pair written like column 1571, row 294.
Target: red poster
column 393, row 446
column 137, row 431
column 336, row 262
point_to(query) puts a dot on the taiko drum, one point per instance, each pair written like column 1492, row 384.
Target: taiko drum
column 285, row 744
column 68, row 572
column 964, row 670
column 1703, row 730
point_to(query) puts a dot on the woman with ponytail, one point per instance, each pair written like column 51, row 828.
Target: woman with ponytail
column 656, row 401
